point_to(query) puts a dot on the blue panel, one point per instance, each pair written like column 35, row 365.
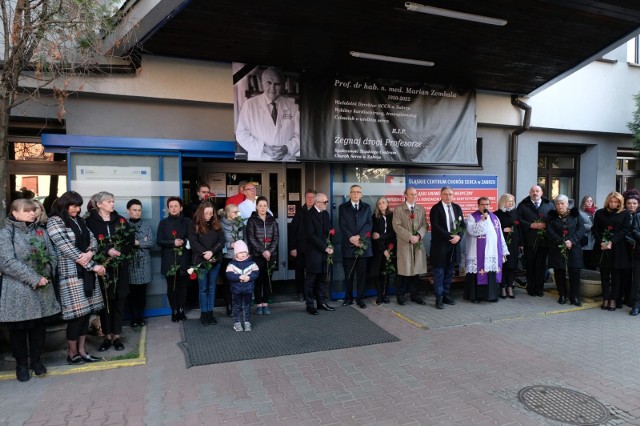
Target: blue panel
column 216, row 149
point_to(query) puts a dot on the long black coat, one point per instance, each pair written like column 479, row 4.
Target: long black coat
column 354, row 223
column 508, row 220
column 635, row 235
column 381, row 244
column 316, row 227
column 297, row 230
column 573, row 224
column 166, row 241
column 98, row 226
column 212, row 240
column 617, row 257
column 440, row 252
column 527, row 215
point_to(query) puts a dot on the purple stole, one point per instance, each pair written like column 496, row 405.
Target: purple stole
column 481, row 245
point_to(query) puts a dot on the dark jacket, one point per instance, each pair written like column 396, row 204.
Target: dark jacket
column 297, row 230
column 377, row 262
column 237, row 268
column 257, row 231
column 508, row 220
column 165, row 240
column 354, row 223
column 98, row 227
column 617, row 224
column 561, row 229
column 527, row 215
column 316, row 226
column 441, row 249
column 211, row 241
column 635, row 234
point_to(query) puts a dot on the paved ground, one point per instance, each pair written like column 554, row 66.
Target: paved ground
column 464, row 365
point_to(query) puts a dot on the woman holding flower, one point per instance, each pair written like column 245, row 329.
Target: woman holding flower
column 233, row 228
column 587, row 211
column 207, row 241
column 610, row 227
column 565, row 229
column 80, row 294
column 262, row 239
column 27, row 298
column 115, row 245
column 172, row 239
column 140, row 265
column 383, row 263
column 508, row 216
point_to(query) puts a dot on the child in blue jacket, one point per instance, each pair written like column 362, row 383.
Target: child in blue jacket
column 241, row 273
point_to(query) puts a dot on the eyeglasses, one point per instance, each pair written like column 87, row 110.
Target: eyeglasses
column 322, row 202
column 249, row 189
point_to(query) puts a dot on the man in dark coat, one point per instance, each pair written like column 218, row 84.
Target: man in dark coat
column 447, row 228
column 317, row 228
column 356, row 223
column 296, row 239
column 202, row 193
column 532, row 215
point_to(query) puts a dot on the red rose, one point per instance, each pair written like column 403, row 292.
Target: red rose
column 332, row 232
column 100, row 237
column 174, row 233
column 122, row 221
column 39, row 233
column 412, row 216
column 391, row 246
column 267, row 240
column 367, row 235
column 610, row 228
column 565, row 232
column 516, row 222
column 193, row 276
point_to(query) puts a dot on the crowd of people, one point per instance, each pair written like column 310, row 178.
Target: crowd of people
column 73, row 266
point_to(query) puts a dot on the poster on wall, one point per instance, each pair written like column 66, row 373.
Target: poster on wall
column 267, row 117
column 348, row 119
column 467, row 189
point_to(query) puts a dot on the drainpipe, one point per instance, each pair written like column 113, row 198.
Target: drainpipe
column 513, row 143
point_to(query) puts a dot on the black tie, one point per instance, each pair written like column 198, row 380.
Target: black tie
column 274, row 112
column 537, row 206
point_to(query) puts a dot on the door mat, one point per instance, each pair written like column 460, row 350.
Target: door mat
column 285, row 332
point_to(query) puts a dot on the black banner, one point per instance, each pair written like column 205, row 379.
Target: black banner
column 346, row 119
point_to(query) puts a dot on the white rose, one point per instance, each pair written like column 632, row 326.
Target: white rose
column 190, row 271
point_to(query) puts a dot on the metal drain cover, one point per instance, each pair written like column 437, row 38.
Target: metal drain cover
column 563, row 405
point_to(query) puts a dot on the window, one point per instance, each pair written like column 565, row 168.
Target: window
column 627, row 170
column 558, row 167
column 633, row 50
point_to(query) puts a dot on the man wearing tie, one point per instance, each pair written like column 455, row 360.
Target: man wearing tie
column 356, row 222
column 316, row 226
column 410, row 225
column 447, row 228
column 532, row 215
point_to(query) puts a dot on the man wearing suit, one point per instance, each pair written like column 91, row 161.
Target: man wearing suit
column 410, row 225
column 316, row 229
column 447, row 228
column 532, row 215
column 355, row 223
column 296, row 239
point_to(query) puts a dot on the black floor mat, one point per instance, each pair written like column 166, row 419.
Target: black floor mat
column 286, row 331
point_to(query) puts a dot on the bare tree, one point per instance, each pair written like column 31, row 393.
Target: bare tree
column 47, row 44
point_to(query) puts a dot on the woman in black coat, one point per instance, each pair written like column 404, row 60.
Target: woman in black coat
column 383, row 241
column 262, row 239
column 116, row 239
column 610, row 227
column 565, row 229
column 172, row 239
column 508, row 216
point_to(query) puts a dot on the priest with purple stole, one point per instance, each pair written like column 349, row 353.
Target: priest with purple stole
column 486, row 250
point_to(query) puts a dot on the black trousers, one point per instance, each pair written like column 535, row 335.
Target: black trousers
column 407, row 284
column 508, row 275
column 137, row 300
column 315, row 289
column 300, row 275
column 536, row 268
column 610, row 279
column 111, row 320
column 560, row 276
column 262, row 289
column 625, row 293
column 27, row 342
column 357, row 273
column 177, row 291
column 226, row 285
column 77, row 327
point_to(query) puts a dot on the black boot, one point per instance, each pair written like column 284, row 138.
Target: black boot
column 174, row 316
column 38, row 368
column 36, row 347
column 181, row 314
column 204, row 318
column 229, row 313
column 212, row 319
column 22, row 371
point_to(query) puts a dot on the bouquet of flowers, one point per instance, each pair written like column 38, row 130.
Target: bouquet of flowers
column 194, row 271
column 360, row 249
column 390, row 266
column 332, row 232
column 39, row 256
column 175, row 268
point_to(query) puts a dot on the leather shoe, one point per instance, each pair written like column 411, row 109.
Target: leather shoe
column 347, row 302
column 576, row 302
column 117, row 344
column 312, row 311
column 90, row 358
column 401, row 301
column 326, row 307
column 106, row 344
column 439, row 303
column 562, row 300
column 418, row 300
column 448, row 300
column 635, row 311
column 361, row 304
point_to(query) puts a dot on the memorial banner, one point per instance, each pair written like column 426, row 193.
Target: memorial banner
column 350, row 120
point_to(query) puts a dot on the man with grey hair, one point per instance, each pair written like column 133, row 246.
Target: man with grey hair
column 269, row 124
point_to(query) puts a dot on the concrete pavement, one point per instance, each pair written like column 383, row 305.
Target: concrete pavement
column 460, row 366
